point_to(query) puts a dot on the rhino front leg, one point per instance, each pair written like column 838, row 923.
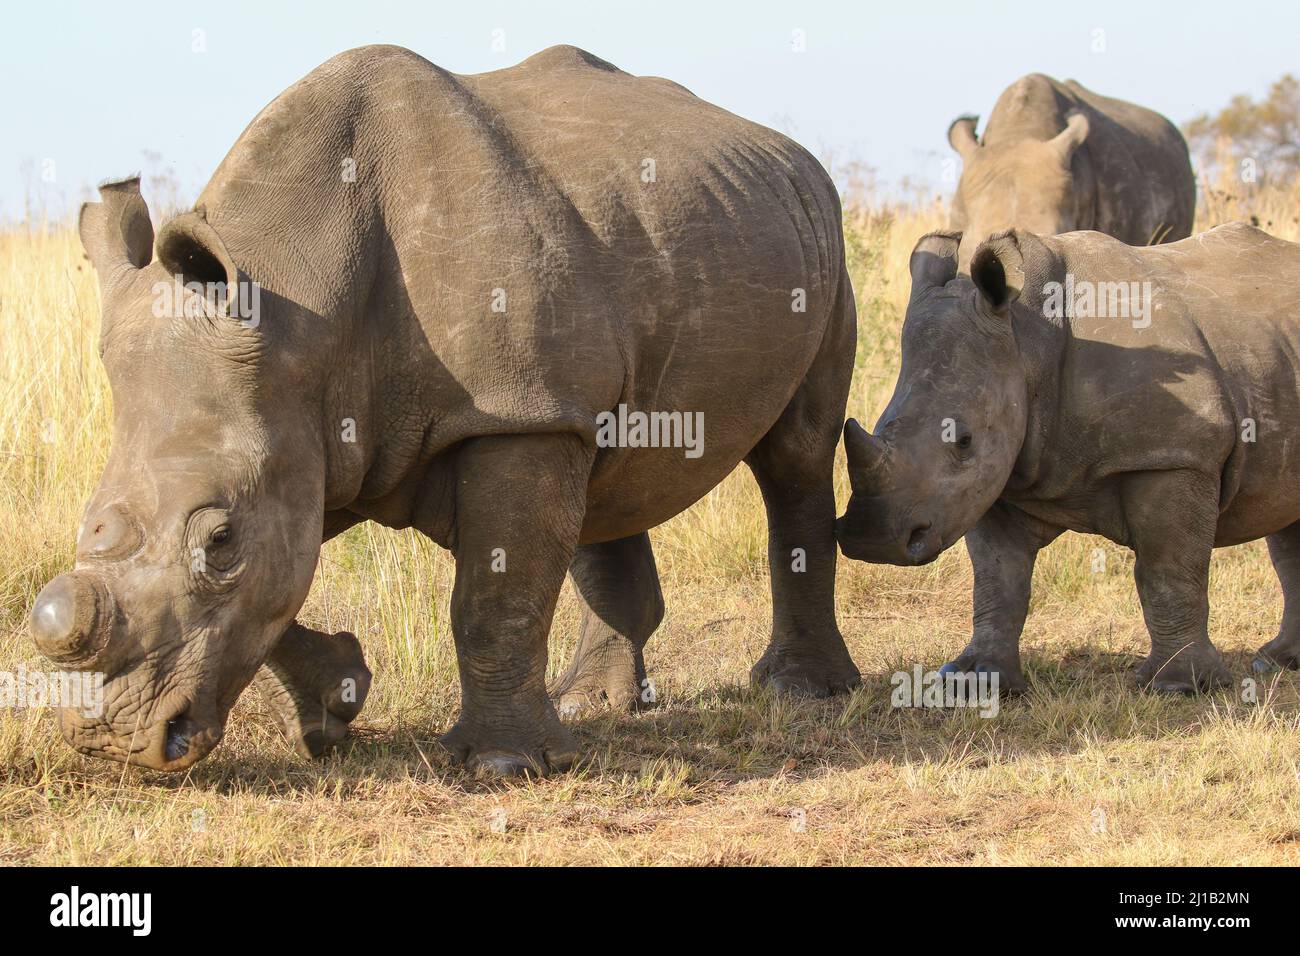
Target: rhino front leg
column 1171, row 517
column 1003, row 547
column 315, row 684
column 520, row 502
column 618, row 584
column 1284, row 650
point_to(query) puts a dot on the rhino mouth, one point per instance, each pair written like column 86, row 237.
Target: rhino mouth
column 919, row 543
column 923, row 544
column 176, row 741
column 187, row 740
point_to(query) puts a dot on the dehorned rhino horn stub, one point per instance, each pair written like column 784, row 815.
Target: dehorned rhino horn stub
column 67, row 617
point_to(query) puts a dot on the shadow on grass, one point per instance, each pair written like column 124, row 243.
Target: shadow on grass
column 730, row 734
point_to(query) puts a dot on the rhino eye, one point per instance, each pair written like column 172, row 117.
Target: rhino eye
column 963, row 442
column 220, row 535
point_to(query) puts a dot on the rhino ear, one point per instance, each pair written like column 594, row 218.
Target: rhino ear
column 934, row 260
column 190, row 248
column 998, row 270
column 116, row 232
column 1071, row 138
column 961, row 135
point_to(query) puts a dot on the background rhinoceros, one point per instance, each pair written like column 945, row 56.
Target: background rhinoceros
column 456, row 278
column 1056, row 157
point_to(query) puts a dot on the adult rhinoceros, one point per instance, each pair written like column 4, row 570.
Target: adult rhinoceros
column 1056, row 157
column 460, row 281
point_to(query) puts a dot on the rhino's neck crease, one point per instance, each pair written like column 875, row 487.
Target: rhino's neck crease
column 1042, row 345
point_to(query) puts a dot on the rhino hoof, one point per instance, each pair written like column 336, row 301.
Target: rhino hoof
column 614, row 691
column 498, row 766
column 1185, row 676
column 557, row 755
column 316, row 684
column 1174, row 688
column 1010, row 680
column 804, row 677
column 1262, row 665
column 1278, row 654
column 813, row 686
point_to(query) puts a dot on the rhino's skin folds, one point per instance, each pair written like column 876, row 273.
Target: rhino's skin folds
column 1056, row 157
column 1170, row 428
column 456, row 275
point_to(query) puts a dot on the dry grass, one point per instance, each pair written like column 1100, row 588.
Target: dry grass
column 1083, row 770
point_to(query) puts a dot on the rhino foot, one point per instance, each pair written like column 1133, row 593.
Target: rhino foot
column 611, row 675
column 491, row 753
column 1281, row 653
column 1011, row 680
column 797, row 672
column 316, row 684
column 1196, row 668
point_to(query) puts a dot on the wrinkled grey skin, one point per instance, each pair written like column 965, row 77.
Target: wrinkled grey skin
column 643, row 247
column 1092, row 425
column 1056, row 157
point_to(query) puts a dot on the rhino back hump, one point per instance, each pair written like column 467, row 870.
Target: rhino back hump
column 693, row 228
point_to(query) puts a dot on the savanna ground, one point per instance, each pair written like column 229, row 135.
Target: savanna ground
column 1083, row 770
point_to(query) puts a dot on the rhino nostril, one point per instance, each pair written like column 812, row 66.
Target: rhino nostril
column 64, row 618
column 918, row 539
column 179, row 735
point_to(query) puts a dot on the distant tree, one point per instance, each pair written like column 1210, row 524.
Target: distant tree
column 1267, row 131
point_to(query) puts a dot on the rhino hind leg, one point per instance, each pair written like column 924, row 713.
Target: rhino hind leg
column 806, row 656
column 794, row 467
column 315, row 684
column 1172, row 517
column 1283, row 652
column 618, row 585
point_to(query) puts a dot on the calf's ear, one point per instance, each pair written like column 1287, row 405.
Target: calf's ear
column 961, row 135
column 998, row 270
column 190, row 248
column 116, row 232
column 1071, row 138
column 934, row 260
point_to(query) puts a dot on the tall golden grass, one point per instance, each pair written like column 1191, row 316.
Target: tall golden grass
column 1083, row 770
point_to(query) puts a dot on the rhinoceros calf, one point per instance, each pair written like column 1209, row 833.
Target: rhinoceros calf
column 1075, row 383
column 1056, row 157
column 532, row 314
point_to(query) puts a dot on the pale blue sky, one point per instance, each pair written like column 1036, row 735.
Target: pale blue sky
column 89, row 89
